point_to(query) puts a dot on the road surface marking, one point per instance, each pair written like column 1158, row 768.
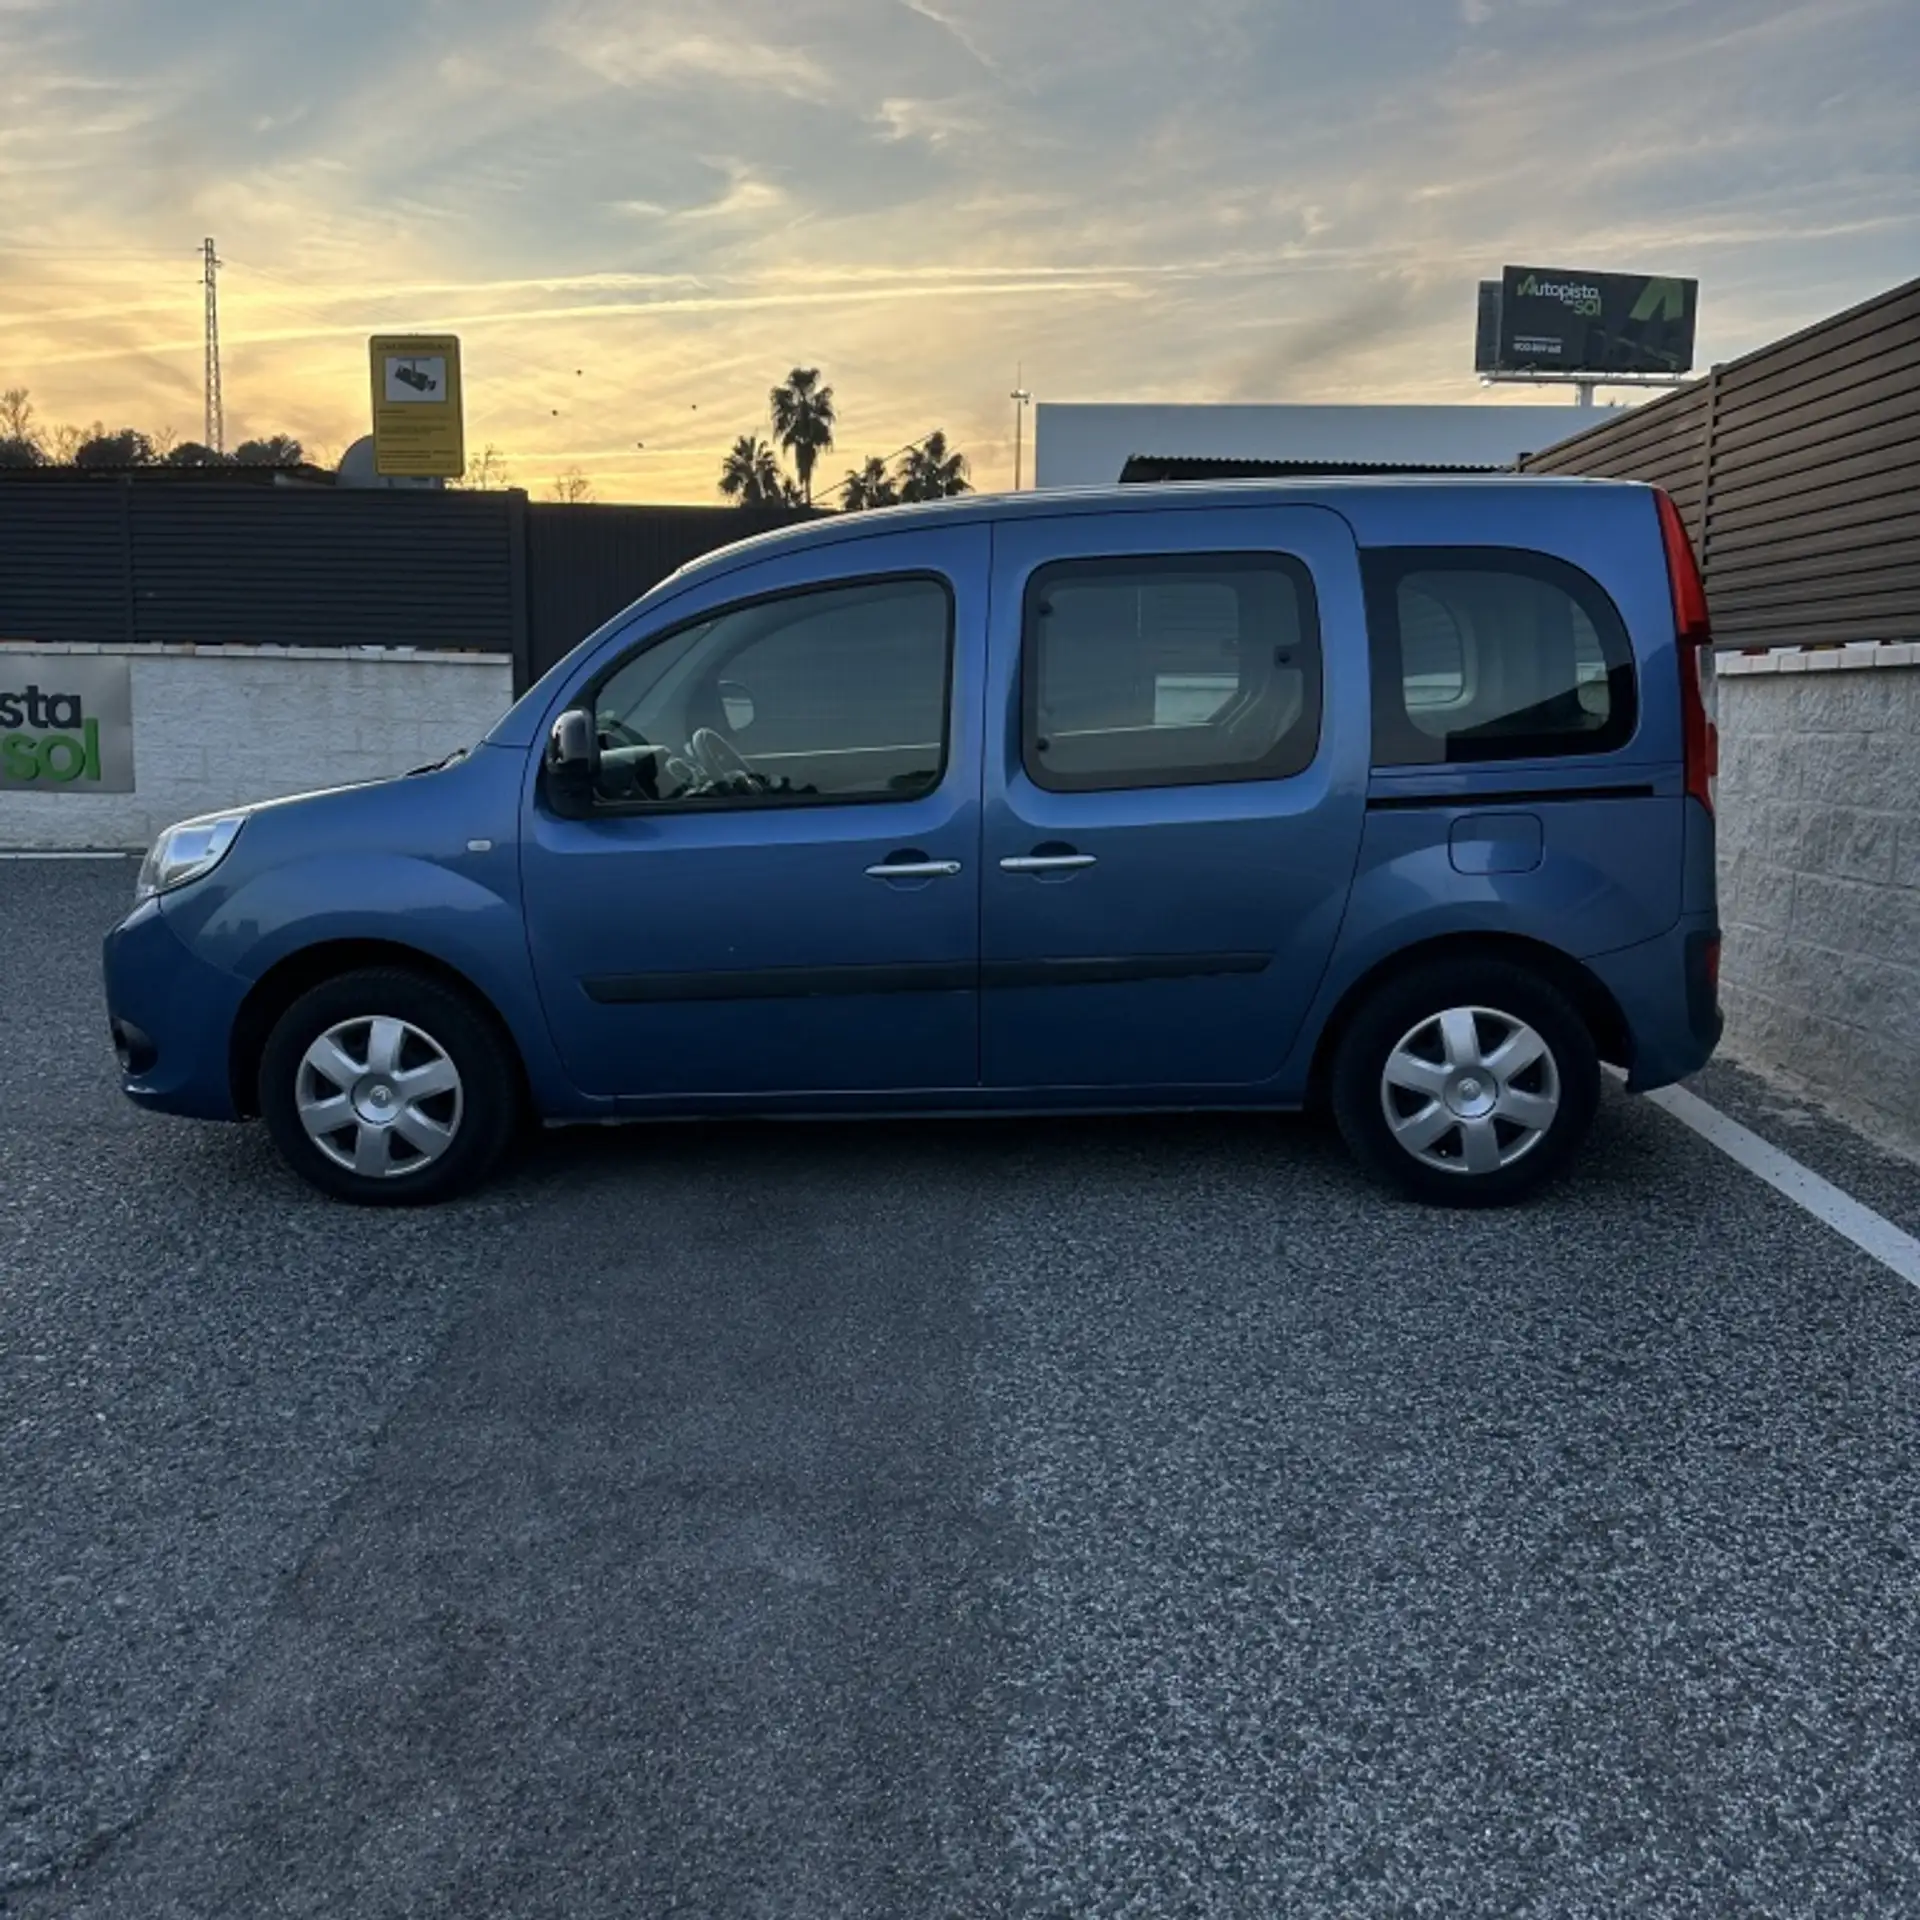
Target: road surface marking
column 1872, row 1234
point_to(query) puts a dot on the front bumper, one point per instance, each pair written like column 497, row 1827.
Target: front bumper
column 170, row 1016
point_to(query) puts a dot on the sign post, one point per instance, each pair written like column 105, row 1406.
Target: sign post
column 418, row 428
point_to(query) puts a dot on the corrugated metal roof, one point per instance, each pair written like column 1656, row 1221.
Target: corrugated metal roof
column 1151, row 469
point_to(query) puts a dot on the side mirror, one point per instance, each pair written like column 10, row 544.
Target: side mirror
column 737, row 704
column 571, row 762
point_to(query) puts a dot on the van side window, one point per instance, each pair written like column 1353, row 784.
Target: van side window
column 1172, row 670
column 826, row 694
column 1483, row 653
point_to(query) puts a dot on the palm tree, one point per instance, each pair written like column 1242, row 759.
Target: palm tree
column 868, row 486
column 930, row 472
column 750, row 475
column 802, row 413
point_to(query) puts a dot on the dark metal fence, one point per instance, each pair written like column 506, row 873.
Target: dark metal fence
column 1797, row 469
column 137, row 561
column 584, row 563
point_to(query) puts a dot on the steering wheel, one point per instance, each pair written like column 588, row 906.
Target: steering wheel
column 720, row 760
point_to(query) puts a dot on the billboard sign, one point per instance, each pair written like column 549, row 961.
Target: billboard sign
column 1555, row 321
column 418, row 429
column 1486, row 330
column 66, row 722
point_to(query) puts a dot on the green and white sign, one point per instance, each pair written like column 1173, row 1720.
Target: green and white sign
column 66, row 722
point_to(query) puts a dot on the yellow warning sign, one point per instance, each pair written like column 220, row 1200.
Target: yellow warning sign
column 418, row 431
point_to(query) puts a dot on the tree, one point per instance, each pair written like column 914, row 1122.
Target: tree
column 750, row 476
column 802, row 413
column 572, row 487
column 16, row 417
column 486, row 472
column 190, row 453
column 18, row 451
column 277, row 450
column 930, row 472
column 869, row 486
column 127, row 448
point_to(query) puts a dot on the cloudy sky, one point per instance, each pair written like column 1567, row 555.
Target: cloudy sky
column 638, row 213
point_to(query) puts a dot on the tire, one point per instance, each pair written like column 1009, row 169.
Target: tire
column 1432, row 1099
column 351, row 1049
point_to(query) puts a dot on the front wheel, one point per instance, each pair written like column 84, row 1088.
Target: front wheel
column 1466, row 1084
column 387, row 1088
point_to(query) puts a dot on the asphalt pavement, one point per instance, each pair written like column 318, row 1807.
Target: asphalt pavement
column 1076, row 1519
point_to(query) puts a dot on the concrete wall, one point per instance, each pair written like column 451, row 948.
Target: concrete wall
column 1086, row 446
column 213, row 727
column 1820, row 872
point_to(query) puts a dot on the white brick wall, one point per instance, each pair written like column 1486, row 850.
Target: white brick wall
column 216, row 727
column 1820, row 872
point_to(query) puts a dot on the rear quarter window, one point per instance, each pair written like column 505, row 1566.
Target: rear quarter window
column 1493, row 653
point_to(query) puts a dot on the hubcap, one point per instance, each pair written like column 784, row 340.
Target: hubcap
column 379, row 1097
column 1470, row 1090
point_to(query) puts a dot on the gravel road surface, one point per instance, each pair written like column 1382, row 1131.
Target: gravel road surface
column 1073, row 1519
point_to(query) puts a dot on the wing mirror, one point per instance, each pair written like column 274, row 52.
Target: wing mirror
column 572, row 763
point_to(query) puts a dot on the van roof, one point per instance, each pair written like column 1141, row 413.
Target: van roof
column 1054, row 502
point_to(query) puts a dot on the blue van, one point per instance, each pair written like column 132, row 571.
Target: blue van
column 1390, row 796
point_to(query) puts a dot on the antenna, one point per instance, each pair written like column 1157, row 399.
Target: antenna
column 1021, row 399
column 216, row 432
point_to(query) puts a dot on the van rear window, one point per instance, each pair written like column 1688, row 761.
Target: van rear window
column 1491, row 653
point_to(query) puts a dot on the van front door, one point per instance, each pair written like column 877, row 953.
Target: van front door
column 777, row 889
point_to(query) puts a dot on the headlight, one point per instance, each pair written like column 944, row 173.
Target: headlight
column 186, row 851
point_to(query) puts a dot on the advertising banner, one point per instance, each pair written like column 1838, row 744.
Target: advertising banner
column 1555, row 321
column 66, row 722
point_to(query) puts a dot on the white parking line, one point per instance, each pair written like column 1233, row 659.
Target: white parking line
column 108, row 855
column 1872, row 1234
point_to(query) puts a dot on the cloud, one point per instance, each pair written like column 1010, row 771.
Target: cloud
column 1347, row 331
column 649, row 48
column 681, row 198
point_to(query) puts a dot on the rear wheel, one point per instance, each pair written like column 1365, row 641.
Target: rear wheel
column 1466, row 1084
column 385, row 1087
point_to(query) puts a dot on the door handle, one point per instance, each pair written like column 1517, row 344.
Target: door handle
column 914, row 870
column 1046, row 862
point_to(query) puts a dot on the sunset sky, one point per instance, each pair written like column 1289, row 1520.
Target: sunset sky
column 638, row 215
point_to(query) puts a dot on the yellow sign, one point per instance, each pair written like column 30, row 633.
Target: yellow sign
column 418, row 431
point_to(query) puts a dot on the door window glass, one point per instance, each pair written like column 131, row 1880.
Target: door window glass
column 836, row 694
column 1493, row 655
column 1170, row 670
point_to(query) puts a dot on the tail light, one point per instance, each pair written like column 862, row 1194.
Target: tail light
column 1693, row 645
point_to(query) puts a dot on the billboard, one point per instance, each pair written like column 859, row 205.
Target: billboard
column 1486, row 330
column 1550, row 320
column 418, row 430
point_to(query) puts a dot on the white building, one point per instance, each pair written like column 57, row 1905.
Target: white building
column 1090, row 445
